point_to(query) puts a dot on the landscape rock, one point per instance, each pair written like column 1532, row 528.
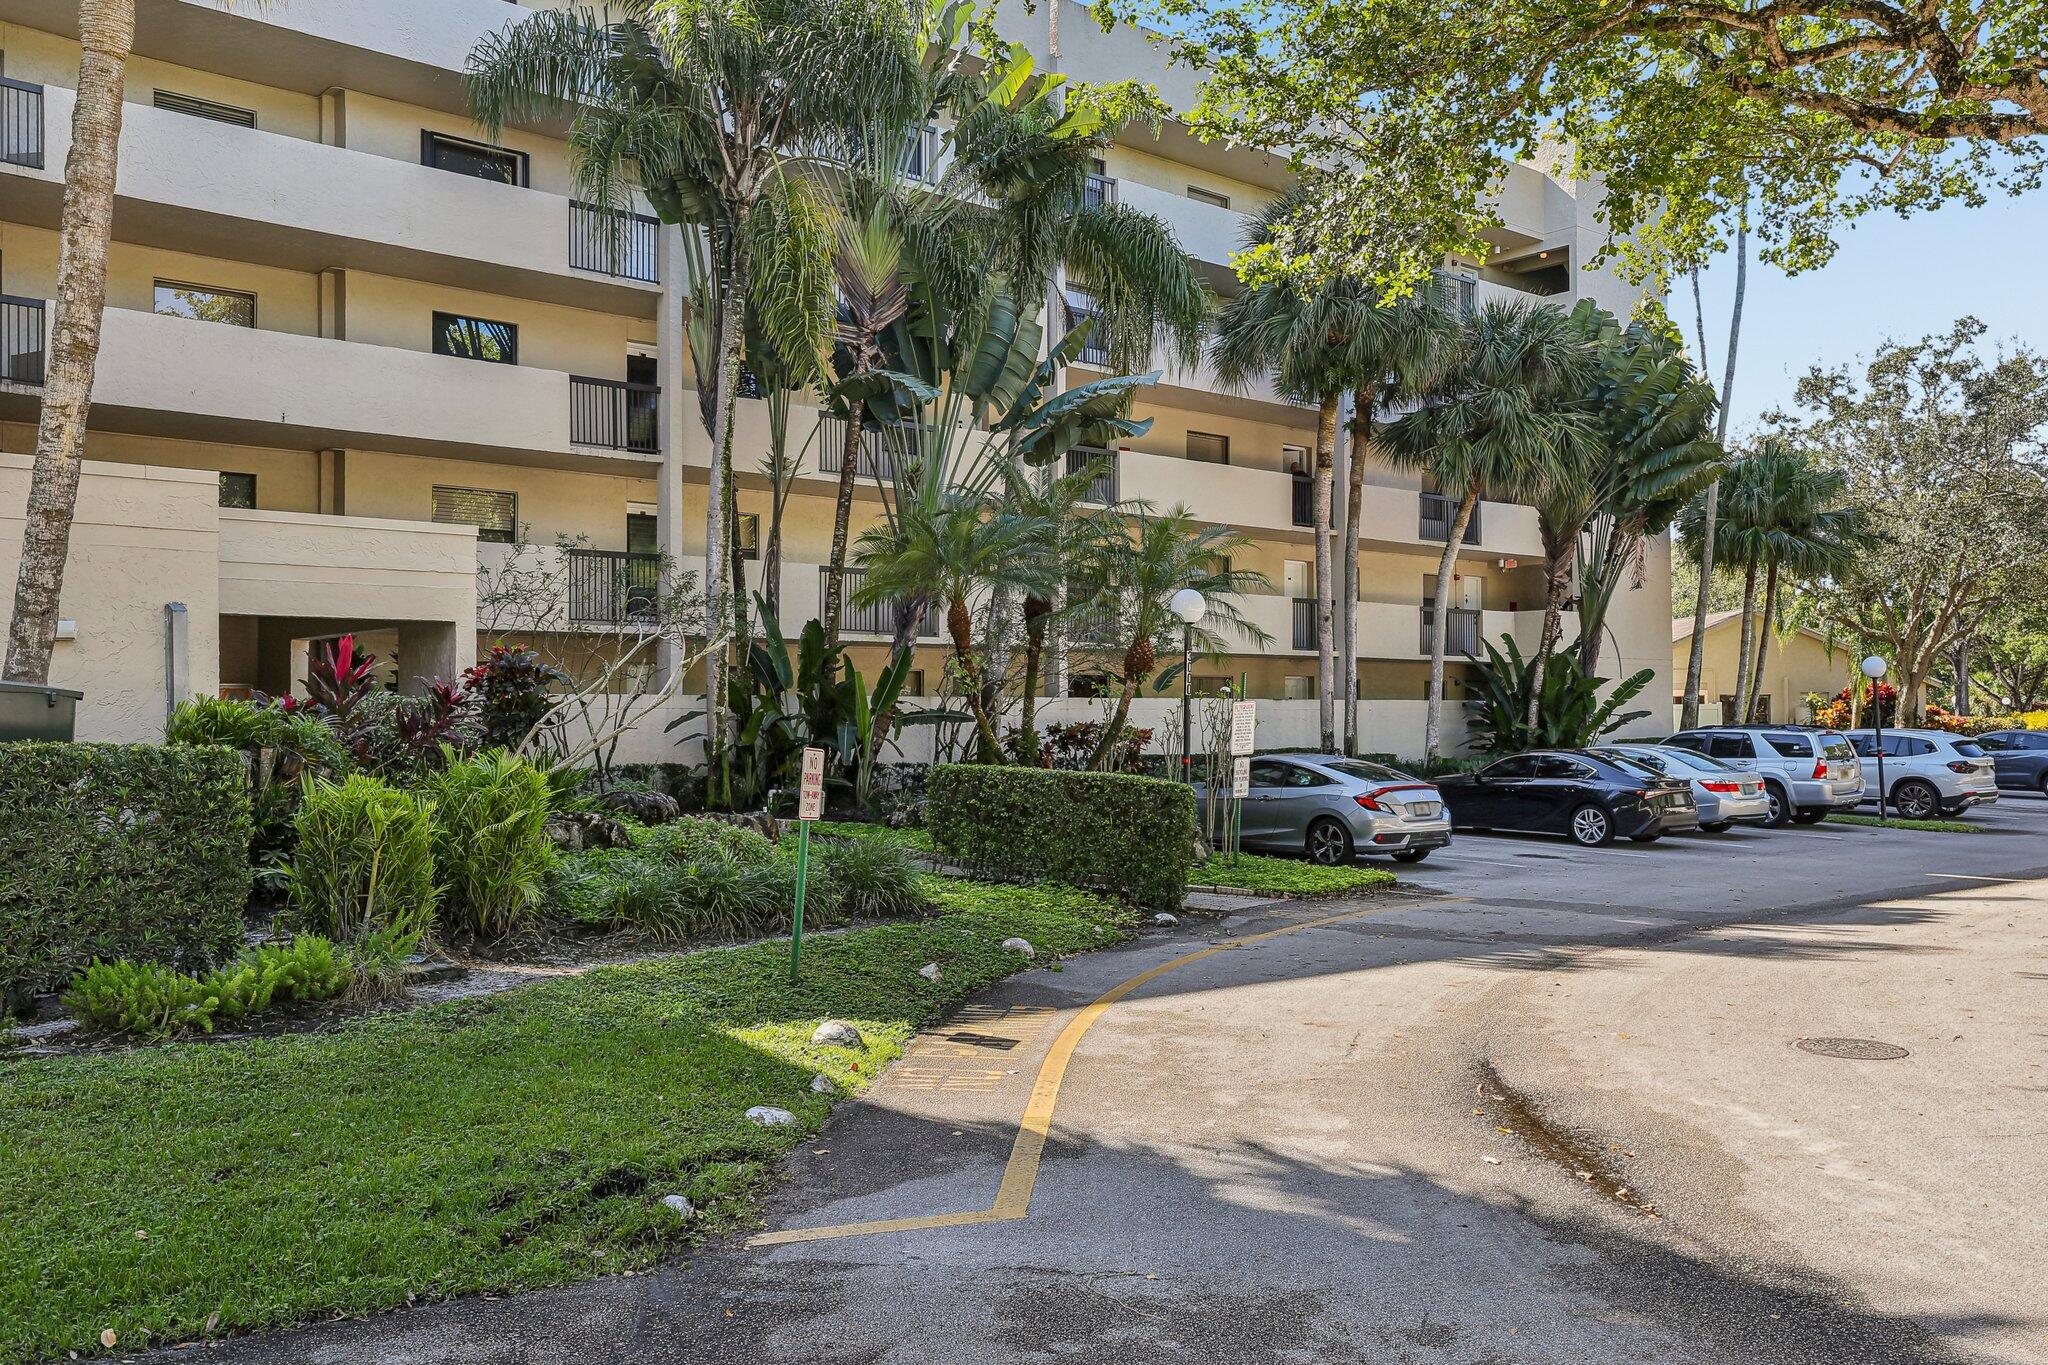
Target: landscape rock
column 649, row 808
column 578, row 830
column 1163, row 918
column 929, row 971
column 822, row 1085
column 682, row 1206
column 768, row 1116
column 1019, row 945
column 834, row 1033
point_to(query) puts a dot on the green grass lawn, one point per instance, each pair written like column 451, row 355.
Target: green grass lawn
column 1894, row 822
column 920, row 840
column 1288, row 876
column 495, row 1144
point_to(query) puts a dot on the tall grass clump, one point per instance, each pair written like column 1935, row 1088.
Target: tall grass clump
column 490, row 840
column 365, row 859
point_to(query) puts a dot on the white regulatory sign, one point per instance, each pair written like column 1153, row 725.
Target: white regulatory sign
column 810, row 803
column 1240, row 777
column 1244, row 723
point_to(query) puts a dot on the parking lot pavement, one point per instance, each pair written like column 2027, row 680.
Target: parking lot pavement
column 1545, row 1106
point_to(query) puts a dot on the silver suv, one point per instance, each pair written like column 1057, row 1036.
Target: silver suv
column 1928, row 772
column 1806, row 773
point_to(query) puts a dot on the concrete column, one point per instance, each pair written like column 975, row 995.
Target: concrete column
column 333, row 482
column 334, row 117
column 334, row 304
column 428, row 650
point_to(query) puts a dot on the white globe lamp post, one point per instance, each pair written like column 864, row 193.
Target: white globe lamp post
column 1874, row 668
column 1190, row 606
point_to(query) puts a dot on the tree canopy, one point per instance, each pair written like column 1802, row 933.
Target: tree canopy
column 1794, row 115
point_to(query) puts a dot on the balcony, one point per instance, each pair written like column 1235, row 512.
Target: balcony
column 1102, row 488
column 21, row 124
column 1097, row 190
column 1208, row 232
column 1462, row 632
column 22, row 329
column 191, row 184
column 189, row 380
column 612, row 587
column 1304, row 622
column 877, row 618
column 1095, row 350
column 615, row 415
column 880, row 454
column 295, row 564
column 1303, row 505
column 1437, row 513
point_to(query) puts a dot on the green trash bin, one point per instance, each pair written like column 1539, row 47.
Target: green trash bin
column 37, row 711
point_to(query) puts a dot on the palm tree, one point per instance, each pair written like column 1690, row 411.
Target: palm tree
column 1493, row 425
column 952, row 549
column 1305, row 342
column 700, row 104
column 106, row 37
column 1710, row 510
column 1139, row 572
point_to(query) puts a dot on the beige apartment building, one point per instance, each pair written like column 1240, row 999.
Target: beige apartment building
column 353, row 355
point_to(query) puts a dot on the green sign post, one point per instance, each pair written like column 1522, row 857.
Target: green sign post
column 810, row 805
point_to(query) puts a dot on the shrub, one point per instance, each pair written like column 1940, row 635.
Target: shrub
column 490, row 840
column 872, row 878
column 690, row 839
column 377, row 962
column 721, row 896
column 1131, row 835
column 510, row 689
column 118, row 850
column 155, row 1002
column 278, row 749
column 365, row 859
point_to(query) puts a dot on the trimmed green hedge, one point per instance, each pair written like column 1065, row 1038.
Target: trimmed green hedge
column 119, row 850
column 1134, row 836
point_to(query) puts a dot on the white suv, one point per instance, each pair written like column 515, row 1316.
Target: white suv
column 1806, row 772
column 1928, row 772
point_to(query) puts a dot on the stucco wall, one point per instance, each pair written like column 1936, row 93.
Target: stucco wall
column 1794, row 665
column 144, row 536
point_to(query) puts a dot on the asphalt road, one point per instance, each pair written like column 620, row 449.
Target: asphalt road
column 1544, row 1106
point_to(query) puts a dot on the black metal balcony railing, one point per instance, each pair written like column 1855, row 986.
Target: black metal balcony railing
column 615, row 415
column 1461, row 631
column 1095, row 350
column 1437, row 513
column 1102, row 488
column 21, row 123
column 876, row 618
column 21, row 341
column 1304, row 623
column 880, row 452
column 1096, row 191
column 613, row 587
column 611, row 242
column 1304, row 500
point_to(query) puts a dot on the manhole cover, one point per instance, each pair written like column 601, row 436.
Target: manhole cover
column 1852, row 1049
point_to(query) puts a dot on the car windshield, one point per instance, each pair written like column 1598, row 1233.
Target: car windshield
column 1698, row 762
column 1969, row 749
column 1367, row 772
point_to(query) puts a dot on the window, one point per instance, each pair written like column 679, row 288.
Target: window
column 643, row 536
column 1562, row 769
column 172, row 101
column 1210, row 197
column 1298, row 687
column 1730, row 746
column 478, row 159
column 921, row 157
column 237, row 490
column 494, row 513
column 205, row 304
column 1212, row 684
column 913, row 685
column 1514, row 769
column 1267, row 772
column 1208, row 448
column 476, row 339
column 1693, row 743
column 749, row 535
column 1790, row 743
column 1969, row 749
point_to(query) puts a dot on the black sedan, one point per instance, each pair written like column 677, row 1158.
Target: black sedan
column 2020, row 758
column 1586, row 797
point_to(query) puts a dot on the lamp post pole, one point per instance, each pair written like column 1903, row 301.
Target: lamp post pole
column 1189, row 605
column 1874, row 669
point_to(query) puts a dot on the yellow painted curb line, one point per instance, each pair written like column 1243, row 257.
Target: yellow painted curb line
column 1020, row 1175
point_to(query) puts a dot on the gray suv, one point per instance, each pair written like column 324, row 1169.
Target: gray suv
column 1806, row 772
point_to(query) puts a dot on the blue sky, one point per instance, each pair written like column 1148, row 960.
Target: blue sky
column 1892, row 277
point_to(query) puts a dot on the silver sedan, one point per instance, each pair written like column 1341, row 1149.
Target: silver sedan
column 1724, row 793
column 1334, row 808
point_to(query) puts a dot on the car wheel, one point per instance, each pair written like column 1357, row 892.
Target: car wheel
column 1411, row 855
column 1781, row 806
column 1718, row 826
column 1329, row 844
column 2044, row 782
column 1592, row 827
column 1916, row 800
column 1808, row 817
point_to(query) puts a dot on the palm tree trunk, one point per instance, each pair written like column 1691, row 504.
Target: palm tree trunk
column 1763, row 645
column 1557, row 586
column 1036, row 612
column 1439, row 634
column 1748, row 642
column 842, row 518
column 1326, row 656
column 960, row 628
column 725, row 401
column 106, row 33
column 1696, row 656
column 1115, row 728
column 1363, row 402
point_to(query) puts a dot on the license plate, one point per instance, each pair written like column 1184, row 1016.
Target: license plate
column 1423, row 810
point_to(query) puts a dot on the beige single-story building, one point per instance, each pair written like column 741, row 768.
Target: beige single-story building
column 1796, row 663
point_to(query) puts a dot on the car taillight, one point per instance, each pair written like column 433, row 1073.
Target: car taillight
column 1368, row 802
column 1961, row 766
column 1730, row 788
column 1820, row 769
